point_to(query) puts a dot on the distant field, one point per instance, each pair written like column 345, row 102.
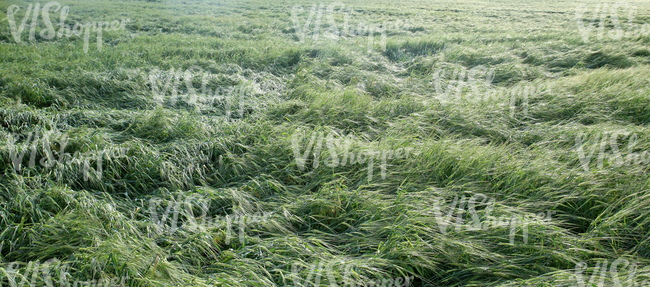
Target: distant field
column 356, row 143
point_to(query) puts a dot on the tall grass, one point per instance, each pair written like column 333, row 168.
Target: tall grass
column 520, row 152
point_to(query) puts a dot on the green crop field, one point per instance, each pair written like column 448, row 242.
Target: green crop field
column 356, row 143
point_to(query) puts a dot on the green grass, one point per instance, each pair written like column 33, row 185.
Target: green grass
column 234, row 151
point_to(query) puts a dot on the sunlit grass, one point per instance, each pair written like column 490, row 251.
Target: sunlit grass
column 234, row 149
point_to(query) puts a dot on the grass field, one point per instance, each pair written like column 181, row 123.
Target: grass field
column 357, row 143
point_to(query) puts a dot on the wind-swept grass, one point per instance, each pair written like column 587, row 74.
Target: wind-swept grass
column 536, row 138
